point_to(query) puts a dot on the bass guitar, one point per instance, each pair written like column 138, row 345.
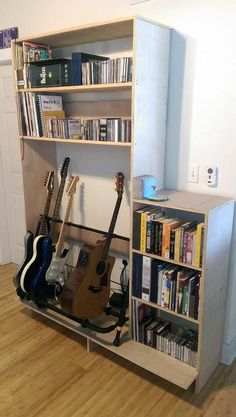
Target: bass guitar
column 41, row 251
column 87, row 290
column 29, row 236
column 55, row 272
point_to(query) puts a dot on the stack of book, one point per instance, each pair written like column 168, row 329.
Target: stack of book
column 26, row 54
column 169, row 237
column 117, row 70
column 167, row 285
column 167, row 337
column 112, row 129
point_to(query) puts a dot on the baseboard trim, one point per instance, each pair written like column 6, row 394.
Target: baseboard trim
column 229, row 352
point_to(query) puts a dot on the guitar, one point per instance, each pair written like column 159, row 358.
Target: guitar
column 87, row 290
column 55, row 272
column 29, row 236
column 42, row 251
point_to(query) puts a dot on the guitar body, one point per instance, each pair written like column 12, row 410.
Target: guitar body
column 55, row 272
column 87, row 291
column 32, row 268
column 28, row 244
column 39, row 285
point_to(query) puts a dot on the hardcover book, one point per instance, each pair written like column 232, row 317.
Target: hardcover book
column 50, row 73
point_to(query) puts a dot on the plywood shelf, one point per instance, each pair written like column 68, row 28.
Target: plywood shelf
column 92, row 88
column 78, row 141
column 186, row 201
column 154, row 361
column 172, row 261
column 158, row 307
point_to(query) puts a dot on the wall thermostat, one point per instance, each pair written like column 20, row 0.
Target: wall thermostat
column 211, row 175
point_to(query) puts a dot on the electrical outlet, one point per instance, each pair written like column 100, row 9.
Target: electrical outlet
column 193, row 173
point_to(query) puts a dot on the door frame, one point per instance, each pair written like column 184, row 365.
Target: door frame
column 5, row 253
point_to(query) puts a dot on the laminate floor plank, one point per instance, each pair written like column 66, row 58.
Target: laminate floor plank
column 46, row 371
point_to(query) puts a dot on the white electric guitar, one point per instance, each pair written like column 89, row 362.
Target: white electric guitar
column 55, row 272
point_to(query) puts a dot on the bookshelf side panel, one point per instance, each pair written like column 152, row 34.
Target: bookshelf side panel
column 214, row 289
column 38, row 158
column 150, row 84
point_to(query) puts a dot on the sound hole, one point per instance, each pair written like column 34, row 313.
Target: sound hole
column 101, row 268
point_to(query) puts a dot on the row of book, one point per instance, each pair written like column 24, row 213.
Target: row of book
column 116, row 70
column 112, row 129
column 169, row 286
column 165, row 336
column 43, row 115
column 169, row 237
column 37, row 68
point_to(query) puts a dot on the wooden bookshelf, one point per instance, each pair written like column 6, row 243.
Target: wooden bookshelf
column 217, row 214
column 144, row 101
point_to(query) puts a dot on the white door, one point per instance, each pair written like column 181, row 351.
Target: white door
column 12, row 209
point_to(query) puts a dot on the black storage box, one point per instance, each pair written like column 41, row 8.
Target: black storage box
column 54, row 72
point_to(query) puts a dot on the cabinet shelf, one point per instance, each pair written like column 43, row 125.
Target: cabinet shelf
column 77, row 141
column 172, row 261
column 158, row 307
column 150, row 359
column 92, row 88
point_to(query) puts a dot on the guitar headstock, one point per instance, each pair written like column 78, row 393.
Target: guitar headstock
column 49, row 181
column 119, row 180
column 64, row 169
column 71, row 189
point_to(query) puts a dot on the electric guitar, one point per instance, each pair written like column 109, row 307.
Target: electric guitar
column 42, row 252
column 55, row 272
column 87, row 290
column 29, row 236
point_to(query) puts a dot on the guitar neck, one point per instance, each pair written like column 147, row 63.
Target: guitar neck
column 63, row 229
column 55, row 216
column 43, row 225
column 111, row 228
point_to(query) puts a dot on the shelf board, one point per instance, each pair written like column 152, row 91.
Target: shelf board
column 92, row 88
column 157, row 306
column 187, row 201
column 77, row 141
column 158, row 363
column 94, row 32
column 172, row 261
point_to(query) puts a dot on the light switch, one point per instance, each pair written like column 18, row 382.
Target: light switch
column 193, row 174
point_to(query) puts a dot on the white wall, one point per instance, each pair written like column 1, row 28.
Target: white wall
column 202, row 111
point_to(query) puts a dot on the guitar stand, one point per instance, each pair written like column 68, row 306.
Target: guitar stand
column 85, row 323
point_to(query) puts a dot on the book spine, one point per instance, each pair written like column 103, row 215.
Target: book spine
column 172, row 244
column 154, row 281
column 143, row 232
column 137, row 275
column 146, row 278
column 198, row 244
column 165, row 252
column 136, row 230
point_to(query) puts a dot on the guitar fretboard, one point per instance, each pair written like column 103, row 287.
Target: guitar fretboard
column 43, row 225
column 111, row 229
column 55, row 216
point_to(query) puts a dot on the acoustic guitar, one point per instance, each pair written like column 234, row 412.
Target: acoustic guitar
column 55, row 272
column 29, row 236
column 43, row 244
column 87, row 290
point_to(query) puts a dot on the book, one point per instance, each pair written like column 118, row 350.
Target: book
column 137, row 275
column 199, row 244
column 167, row 227
column 74, row 129
column 53, row 72
column 146, row 278
column 137, row 227
column 48, row 106
column 77, row 59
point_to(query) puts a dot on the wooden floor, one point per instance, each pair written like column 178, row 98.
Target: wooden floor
column 46, row 371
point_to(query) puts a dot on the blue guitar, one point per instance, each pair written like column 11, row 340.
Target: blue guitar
column 31, row 277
